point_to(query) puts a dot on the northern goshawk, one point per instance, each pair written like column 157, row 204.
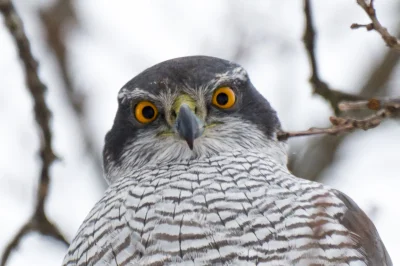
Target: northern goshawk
column 197, row 177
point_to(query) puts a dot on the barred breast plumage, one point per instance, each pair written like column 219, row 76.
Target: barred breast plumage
column 231, row 209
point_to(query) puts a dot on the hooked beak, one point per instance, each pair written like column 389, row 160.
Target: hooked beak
column 188, row 125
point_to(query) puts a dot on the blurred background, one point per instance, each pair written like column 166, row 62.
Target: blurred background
column 87, row 50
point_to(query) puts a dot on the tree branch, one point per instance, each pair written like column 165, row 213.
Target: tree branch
column 385, row 109
column 320, row 87
column 38, row 221
column 322, row 151
column 372, row 104
column 389, row 39
column 55, row 18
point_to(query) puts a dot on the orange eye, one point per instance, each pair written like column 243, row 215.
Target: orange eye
column 224, row 97
column 145, row 112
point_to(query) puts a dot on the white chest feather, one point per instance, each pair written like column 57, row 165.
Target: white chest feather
column 231, row 209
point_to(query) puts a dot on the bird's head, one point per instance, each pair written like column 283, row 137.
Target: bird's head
column 187, row 108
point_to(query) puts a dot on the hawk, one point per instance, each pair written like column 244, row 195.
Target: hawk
column 197, row 177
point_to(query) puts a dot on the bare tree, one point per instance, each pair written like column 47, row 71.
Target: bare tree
column 38, row 221
column 338, row 100
column 321, row 151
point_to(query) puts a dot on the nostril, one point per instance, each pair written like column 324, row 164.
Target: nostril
column 173, row 114
column 195, row 110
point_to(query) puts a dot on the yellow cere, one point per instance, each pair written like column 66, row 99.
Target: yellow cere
column 183, row 99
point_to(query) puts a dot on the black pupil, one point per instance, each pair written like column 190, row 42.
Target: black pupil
column 148, row 112
column 222, row 98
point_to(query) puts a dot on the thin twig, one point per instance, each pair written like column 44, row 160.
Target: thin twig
column 389, row 39
column 320, row 87
column 322, row 151
column 372, row 104
column 341, row 125
column 39, row 221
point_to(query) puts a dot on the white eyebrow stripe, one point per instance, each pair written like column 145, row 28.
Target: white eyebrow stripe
column 126, row 94
column 236, row 73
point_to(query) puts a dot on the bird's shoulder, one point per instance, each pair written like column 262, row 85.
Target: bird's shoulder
column 365, row 233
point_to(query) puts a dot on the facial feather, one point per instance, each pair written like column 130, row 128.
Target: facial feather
column 250, row 125
column 231, row 134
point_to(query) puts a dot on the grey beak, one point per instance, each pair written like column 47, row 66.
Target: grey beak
column 188, row 125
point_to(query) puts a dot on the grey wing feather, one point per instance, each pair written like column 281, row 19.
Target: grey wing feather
column 358, row 222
